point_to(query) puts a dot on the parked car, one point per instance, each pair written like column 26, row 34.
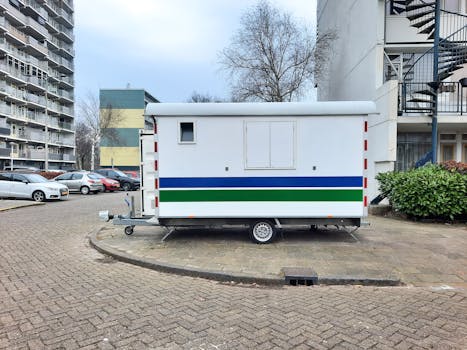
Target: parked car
column 126, row 182
column 109, row 184
column 82, row 181
column 134, row 174
column 29, row 185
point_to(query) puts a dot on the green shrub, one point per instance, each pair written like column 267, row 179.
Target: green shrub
column 430, row 191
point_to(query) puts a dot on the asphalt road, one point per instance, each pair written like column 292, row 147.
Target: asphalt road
column 57, row 292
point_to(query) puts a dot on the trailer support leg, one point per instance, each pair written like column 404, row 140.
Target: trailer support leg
column 169, row 232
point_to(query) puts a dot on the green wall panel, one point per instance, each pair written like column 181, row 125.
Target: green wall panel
column 125, row 137
column 122, row 99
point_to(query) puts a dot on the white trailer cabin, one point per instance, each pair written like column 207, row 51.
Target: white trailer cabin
column 245, row 162
column 261, row 164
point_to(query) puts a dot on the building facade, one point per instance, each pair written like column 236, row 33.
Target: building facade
column 384, row 52
column 123, row 110
column 36, row 84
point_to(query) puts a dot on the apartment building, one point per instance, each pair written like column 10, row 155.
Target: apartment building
column 384, row 52
column 36, row 84
column 124, row 108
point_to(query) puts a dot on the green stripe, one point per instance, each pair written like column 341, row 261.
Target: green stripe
column 262, row 196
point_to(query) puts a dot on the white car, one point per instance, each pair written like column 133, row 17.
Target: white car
column 34, row 186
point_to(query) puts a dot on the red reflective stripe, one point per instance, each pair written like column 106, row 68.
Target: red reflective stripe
column 156, row 184
column 365, row 182
column 155, row 147
column 365, row 163
column 365, row 201
column 155, row 165
column 366, row 127
column 365, row 145
column 155, row 128
column 157, row 202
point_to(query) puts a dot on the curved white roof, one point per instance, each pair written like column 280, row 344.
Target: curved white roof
column 261, row 109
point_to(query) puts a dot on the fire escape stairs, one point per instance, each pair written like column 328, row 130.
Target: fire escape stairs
column 452, row 54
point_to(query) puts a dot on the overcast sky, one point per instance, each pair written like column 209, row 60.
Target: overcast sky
column 168, row 47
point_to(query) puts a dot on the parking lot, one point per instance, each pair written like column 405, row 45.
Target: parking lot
column 57, row 292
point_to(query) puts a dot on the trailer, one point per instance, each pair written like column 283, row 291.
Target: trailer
column 263, row 165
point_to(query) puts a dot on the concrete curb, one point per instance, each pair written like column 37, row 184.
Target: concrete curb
column 22, row 206
column 226, row 277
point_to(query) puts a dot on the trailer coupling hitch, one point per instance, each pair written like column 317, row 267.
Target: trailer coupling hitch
column 104, row 215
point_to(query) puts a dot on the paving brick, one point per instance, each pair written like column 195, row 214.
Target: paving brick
column 58, row 293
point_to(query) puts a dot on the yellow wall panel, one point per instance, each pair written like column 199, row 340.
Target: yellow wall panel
column 122, row 156
column 127, row 118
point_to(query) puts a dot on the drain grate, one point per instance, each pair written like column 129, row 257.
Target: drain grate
column 300, row 276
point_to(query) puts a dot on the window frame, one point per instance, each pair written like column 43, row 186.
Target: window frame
column 179, row 132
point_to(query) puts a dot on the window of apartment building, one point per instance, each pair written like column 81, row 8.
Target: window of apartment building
column 447, row 147
column 464, row 148
column 411, row 147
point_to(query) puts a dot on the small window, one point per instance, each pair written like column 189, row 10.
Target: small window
column 187, row 132
column 64, row 177
column 4, row 177
column 77, row 176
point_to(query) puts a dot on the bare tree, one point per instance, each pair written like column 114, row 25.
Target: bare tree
column 272, row 58
column 101, row 123
column 83, row 146
column 197, row 97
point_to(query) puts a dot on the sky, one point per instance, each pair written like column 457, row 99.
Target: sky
column 168, row 47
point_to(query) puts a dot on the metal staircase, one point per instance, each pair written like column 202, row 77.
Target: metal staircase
column 419, row 87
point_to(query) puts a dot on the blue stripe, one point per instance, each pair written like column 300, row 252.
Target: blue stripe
column 206, row 182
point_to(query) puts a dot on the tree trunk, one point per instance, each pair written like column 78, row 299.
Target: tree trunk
column 92, row 156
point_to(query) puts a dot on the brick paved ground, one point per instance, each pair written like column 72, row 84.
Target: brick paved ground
column 57, row 292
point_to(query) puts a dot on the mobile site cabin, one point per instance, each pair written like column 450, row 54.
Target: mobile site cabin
column 265, row 165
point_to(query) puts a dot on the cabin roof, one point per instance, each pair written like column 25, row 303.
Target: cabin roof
column 340, row 108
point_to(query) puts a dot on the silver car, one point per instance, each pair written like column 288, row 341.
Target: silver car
column 81, row 181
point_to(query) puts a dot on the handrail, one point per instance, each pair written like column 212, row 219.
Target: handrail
column 441, row 40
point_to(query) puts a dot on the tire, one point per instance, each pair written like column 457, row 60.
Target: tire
column 262, row 232
column 38, row 196
column 129, row 230
column 126, row 187
column 84, row 190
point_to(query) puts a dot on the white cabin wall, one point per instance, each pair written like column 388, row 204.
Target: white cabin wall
column 332, row 144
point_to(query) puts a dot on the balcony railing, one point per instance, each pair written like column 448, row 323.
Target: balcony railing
column 452, row 98
column 5, row 152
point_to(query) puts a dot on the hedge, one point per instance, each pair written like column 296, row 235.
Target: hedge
column 431, row 191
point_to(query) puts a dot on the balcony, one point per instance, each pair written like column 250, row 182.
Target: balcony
column 65, row 17
column 15, row 34
column 69, row 157
column 13, row 73
column 55, row 156
column 414, row 98
column 36, row 154
column 12, row 13
column 33, row 46
column 5, row 152
column 34, row 27
column 4, row 127
column 66, row 94
column 65, row 125
column 38, row 136
column 33, row 7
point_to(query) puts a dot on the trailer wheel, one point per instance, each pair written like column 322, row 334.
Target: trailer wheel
column 129, row 230
column 262, row 232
